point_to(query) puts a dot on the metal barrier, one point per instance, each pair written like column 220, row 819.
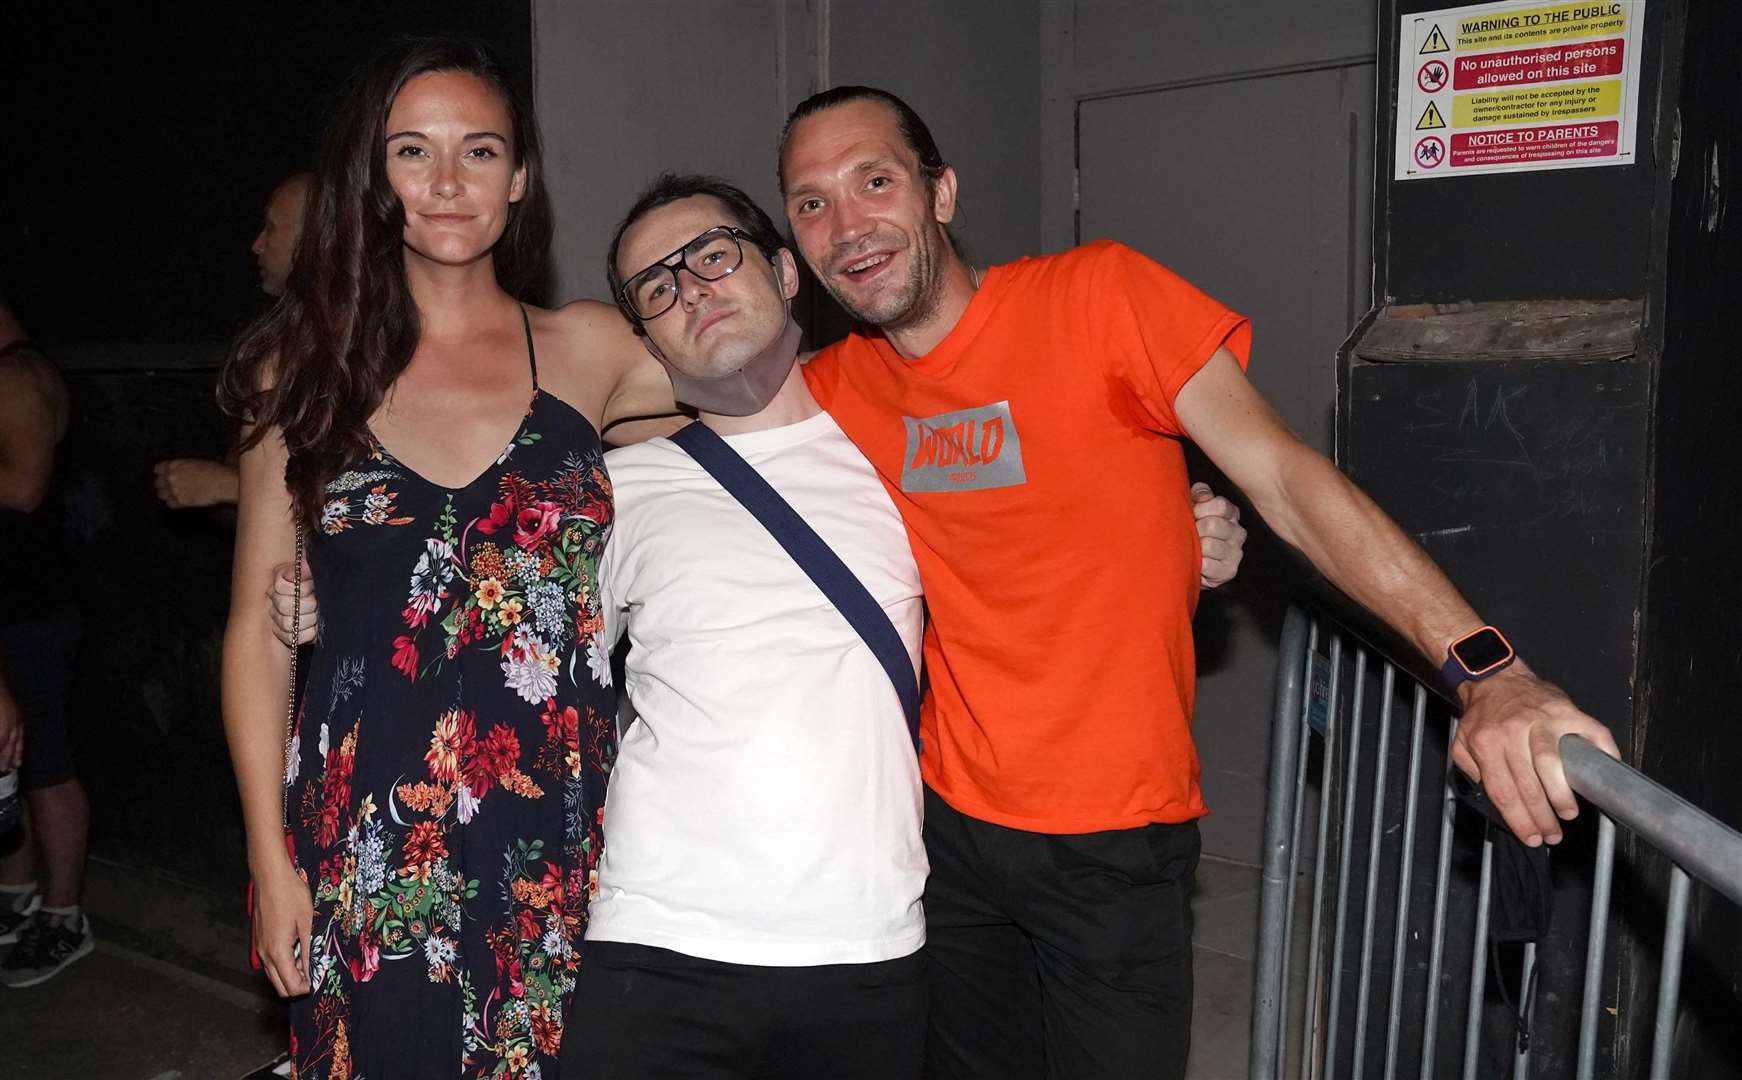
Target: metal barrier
column 1362, row 804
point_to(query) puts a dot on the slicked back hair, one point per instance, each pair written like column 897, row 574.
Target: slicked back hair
column 913, row 129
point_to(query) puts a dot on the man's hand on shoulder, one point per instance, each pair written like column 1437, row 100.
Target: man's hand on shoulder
column 1221, row 538
column 286, row 613
column 1509, row 740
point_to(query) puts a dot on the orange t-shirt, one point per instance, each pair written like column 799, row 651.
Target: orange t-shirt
column 1036, row 459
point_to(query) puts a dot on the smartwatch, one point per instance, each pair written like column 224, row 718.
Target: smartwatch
column 1475, row 656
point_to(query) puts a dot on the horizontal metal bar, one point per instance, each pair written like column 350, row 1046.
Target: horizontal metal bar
column 1692, row 839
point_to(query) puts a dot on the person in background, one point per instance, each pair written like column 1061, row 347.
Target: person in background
column 42, row 868
column 183, row 483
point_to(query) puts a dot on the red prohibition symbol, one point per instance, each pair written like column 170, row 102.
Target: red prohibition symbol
column 1429, row 152
column 1432, row 76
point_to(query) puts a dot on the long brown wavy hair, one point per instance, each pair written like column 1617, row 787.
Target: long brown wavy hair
column 318, row 364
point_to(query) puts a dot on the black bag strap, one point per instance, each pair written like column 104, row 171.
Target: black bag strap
column 813, row 556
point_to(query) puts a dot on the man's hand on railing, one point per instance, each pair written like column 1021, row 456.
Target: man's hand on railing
column 1509, row 741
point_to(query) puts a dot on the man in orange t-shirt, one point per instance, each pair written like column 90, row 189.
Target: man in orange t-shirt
column 1053, row 531
column 1028, row 423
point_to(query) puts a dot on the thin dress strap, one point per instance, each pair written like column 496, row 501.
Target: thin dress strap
column 531, row 353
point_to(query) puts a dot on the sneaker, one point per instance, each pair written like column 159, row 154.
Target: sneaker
column 45, row 946
column 12, row 922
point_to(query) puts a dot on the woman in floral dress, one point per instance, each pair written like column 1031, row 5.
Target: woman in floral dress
column 422, row 843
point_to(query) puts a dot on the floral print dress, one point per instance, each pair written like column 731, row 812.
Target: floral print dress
column 447, row 768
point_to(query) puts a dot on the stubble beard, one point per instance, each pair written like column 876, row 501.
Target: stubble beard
column 915, row 304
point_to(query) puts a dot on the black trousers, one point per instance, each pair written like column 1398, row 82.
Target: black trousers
column 1060, row 957
column 41, row 658
column 641, row 1013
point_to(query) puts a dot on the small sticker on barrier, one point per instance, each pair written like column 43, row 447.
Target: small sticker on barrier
column 1319, row 695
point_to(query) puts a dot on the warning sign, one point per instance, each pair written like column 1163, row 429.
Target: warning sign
column 1513, row 145
column 1429, row 152
column 1554, row 64
column 1517, row 86
column 1573, row 102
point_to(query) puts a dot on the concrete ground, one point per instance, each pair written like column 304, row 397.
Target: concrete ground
column 1224, row 946
column 119, row 1014
column 167, row 995
column 169, row 998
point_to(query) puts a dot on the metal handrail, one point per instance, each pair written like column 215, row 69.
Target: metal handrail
column 1697, row 845
column 1710, row 850
column 1693, row 839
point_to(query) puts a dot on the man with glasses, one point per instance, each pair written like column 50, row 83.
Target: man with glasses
column 758, row 909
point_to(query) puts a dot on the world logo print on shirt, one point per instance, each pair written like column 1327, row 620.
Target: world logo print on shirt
column 968, row 450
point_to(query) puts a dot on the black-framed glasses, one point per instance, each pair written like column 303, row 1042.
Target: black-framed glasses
column 710, row 257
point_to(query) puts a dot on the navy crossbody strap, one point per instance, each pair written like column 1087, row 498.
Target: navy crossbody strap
column 813, row 556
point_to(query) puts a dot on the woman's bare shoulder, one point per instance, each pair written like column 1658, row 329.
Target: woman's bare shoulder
column 585, row 352
column 582, row 322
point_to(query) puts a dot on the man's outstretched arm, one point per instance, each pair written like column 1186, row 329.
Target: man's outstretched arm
column 1510, row 733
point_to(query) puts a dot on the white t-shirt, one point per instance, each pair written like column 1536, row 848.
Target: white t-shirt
column 765, row 806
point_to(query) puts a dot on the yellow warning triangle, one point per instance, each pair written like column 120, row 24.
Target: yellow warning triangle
column 1430, row 119
column 1436, row 42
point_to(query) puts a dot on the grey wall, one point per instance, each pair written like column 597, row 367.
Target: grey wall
column 618, row 105
column 972, row 69
column 618, row 102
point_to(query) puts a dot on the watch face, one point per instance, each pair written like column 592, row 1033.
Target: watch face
column 1482, row 650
